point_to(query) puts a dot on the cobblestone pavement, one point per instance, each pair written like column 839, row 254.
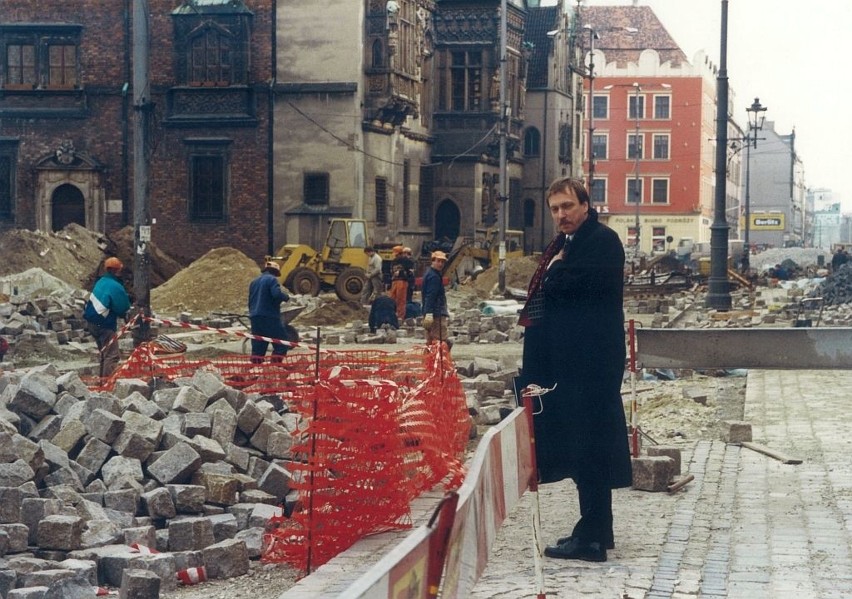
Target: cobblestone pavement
column 748, row 526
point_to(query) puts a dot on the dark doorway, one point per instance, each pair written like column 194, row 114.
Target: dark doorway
column 447, row 221
column 68, row 207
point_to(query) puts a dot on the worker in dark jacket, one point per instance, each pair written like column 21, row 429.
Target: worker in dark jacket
column 435, row 314
column 107, row 303
column 574, row 341
column 383, row 312
column 265, row 297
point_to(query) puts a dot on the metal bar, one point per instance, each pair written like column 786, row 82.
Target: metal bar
column 781, row 348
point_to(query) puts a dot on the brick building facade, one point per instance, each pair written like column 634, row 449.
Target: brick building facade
column 66, row 107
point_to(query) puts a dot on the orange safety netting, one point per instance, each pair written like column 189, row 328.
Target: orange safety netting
column 379, row 429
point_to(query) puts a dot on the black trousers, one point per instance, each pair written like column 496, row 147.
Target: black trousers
column 595, row 524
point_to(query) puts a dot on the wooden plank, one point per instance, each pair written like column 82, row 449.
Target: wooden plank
column 784, row 459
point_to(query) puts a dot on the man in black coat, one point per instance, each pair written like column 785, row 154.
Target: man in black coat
column 574, row 339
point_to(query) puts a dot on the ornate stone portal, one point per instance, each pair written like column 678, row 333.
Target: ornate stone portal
column 68, row 166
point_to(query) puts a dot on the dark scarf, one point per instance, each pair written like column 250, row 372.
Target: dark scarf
column 533, row 291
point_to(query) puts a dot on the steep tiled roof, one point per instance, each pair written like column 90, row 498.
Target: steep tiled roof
column 622, row 47
column 539, row 21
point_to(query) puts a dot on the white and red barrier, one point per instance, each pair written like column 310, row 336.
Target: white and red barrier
column 499, row 474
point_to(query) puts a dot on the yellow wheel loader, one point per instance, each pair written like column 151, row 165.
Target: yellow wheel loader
column 340, row 265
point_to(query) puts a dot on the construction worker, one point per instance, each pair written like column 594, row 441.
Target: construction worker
column 402, row 271
column 107, row 303
column 435, row 314
column 375, row 284
column 264, row 303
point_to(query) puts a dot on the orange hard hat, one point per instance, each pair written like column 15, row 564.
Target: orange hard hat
column 113, row 263
column 439, row 255
column 397, row 249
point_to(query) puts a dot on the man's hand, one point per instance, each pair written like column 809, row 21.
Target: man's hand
column 427, row 321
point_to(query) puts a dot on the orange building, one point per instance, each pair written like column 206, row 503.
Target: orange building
column 652, row 131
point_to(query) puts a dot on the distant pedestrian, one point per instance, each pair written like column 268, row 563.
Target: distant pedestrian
column 4, row 347
column 839, row 258
column 106, row 304
column 375, row 284
column 265, row 297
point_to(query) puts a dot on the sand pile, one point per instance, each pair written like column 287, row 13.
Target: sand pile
column 217, row 282
column 519, row 271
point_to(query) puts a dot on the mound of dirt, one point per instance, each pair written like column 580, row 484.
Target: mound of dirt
column 163, row 266
column 75, row 255
column 519, row 271
column 217, row 282
column 72, row 254
column 333, row 312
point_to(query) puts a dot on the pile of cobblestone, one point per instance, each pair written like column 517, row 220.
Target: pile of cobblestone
column 164, row 478
column 836, row 289
column 42, row 318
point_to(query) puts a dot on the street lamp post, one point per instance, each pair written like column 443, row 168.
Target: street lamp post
column 718, row 290
column 756, row 117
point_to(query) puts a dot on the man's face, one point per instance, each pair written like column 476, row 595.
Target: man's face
column 438, row 263
column 567, row 211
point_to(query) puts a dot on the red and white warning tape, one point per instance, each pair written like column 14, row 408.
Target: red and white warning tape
column 143, row 549
column 191, row 576
column 200, row 327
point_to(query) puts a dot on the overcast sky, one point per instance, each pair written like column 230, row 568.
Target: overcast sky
column 793, row 55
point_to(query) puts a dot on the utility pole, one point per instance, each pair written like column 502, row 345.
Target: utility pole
column 593, row 35
column 637, row 187
column 141, row 209
column 504, row 183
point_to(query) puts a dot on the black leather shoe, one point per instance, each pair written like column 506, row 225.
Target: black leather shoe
column 562, row 540
column 587, row 552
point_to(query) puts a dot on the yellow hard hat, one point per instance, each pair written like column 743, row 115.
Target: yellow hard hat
column 439, row 255
column 272, row 266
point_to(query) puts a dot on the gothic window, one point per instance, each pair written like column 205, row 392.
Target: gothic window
column 532, row 142
column 381, row 202
column 461, row 81
column 426, row 199
column 212, row 46
column 378, row 55
column 210, row 59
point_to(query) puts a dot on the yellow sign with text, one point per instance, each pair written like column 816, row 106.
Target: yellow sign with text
column 767, row 221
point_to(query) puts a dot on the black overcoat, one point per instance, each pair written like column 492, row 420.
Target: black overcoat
column 579, row 345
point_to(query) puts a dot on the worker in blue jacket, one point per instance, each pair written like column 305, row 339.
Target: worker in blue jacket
column 107, row 303
column 264, row 303
column 435, row 315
